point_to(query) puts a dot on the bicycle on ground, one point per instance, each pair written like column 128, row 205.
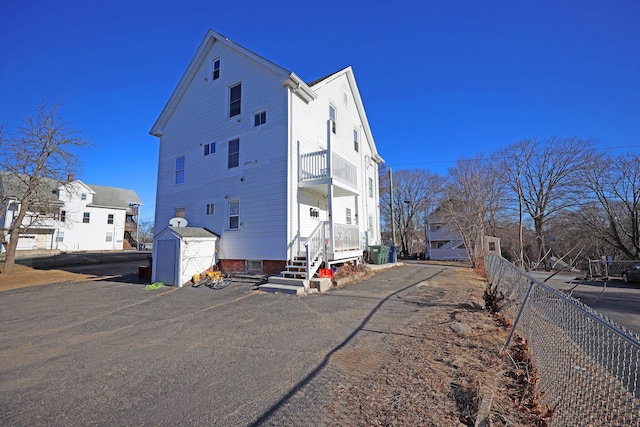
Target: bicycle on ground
column 211, row 279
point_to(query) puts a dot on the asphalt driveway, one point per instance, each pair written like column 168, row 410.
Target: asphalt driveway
column 111, row 353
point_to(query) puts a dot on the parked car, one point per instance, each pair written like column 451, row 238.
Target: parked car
column 631, row 273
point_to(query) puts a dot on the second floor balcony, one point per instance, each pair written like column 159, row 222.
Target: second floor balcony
column 314, row 173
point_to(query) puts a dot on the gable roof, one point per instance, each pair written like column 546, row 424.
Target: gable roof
column 14, row 185
column 113, row 197
column 289, row 78
column 348, row 73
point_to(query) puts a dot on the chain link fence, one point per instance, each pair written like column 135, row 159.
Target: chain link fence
column 588, row 366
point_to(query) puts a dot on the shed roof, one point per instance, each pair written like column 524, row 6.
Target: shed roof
column 193, row 232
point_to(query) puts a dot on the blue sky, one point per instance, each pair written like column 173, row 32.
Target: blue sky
column 440, row 80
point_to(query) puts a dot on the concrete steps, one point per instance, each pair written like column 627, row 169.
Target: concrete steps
column 285, row 285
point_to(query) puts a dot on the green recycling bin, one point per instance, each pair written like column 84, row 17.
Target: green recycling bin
column 378, row 254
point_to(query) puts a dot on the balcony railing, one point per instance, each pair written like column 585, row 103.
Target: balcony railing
column 314, row 166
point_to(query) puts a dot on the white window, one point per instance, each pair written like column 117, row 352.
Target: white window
column 356, row 140
column 259, row 118
column 233, row 158
column 370, row 225
column 209, row 148
column 370, row 187
column 234, row 215
column 348, row 215
column 110, row 219
column 332, row 117
column 210, row 209
column 109, row 236
column 83, row 196
column 179, row 212
column 235, row 100
column 63, row 216
column 60, row 236
column 179, row 170
column 85, row 217
column 215, row 69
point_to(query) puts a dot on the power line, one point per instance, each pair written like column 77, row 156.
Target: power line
column 437, row 162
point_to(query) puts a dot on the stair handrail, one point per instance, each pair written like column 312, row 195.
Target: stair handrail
column 315, row 248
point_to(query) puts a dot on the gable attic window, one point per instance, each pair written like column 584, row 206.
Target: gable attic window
column 83, row 196
column 215, row 69
column 210, row 209
column 356, row 140
column 85, row 217
column 179, row 170
column 209, row 148
column 332, row 117
column 235, row 99
column 233, row 158
column 110, row 219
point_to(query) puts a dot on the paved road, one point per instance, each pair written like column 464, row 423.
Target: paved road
column 111, row 353
column 614, row 299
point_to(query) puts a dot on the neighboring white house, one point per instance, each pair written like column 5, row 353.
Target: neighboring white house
column 276, row 167
column 444, row 241
column 74, row 217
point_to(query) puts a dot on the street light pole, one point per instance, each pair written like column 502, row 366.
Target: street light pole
column 393, row 222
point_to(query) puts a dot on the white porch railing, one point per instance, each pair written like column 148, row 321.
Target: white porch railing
column 346, row 237
column 316, row 248
column 314, row 166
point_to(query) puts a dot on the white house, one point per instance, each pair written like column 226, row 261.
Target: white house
column 444, row 241
column 74, row 216
column 276, row 167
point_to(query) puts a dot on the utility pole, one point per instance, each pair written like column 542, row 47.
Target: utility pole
column 393, row 221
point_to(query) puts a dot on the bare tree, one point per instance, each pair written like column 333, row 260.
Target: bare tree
column 472, row 198
column 511, row 162
column 145, row 231
column 548, row 179
column 41, row 150
column 416, row 192
column 615, row 183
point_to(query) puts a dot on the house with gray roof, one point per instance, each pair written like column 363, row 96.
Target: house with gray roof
column 72, row 215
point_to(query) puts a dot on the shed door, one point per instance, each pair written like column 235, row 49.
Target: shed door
column 167, row 261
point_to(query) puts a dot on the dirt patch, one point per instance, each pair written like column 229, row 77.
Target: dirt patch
column 446, row 369
column 23, row 277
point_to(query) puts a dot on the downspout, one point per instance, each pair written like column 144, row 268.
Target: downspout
column 290, row 249
column 330, row 188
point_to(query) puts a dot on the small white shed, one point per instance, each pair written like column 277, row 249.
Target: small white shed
column 181, row 252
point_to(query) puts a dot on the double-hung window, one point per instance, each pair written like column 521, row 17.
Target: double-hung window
column 356, row 140
column 234, row 215
column 85, row 217
column 210, row 209
column 233, row 158
column 109, row 237
column 348, row 216
column 235, row 99
column 370, row 187
column 332, row 117
column 179, row 170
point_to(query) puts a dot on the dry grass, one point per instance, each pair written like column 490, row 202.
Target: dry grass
column 23, row 277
